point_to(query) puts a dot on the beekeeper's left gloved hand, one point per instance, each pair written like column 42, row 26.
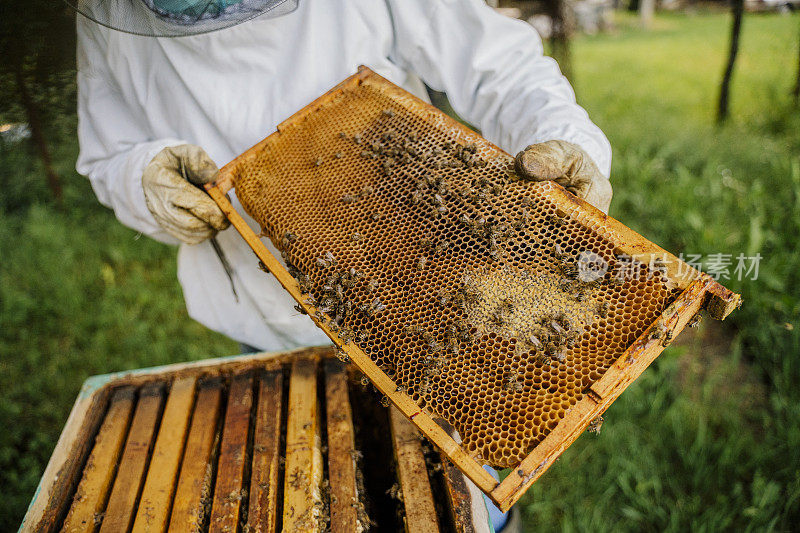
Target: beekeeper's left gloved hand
column 569, row 166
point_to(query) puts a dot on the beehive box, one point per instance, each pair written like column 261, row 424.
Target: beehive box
column 266, row 442
column 513, row 311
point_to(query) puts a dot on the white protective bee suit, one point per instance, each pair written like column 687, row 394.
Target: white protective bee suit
column 227, row 90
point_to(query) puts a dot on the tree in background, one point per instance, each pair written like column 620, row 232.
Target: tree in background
column 37, row 44
column 560, row 34
column 646, row 10
column 796, row 91
column 724, row 90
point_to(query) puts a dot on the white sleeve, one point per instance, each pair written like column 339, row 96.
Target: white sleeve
column 114, row 143
column 493, row 70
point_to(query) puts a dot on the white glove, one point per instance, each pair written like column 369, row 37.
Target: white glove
column 184, row 211
column 569, row 166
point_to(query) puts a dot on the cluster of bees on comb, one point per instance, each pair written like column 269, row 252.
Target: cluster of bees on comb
column 547, row 320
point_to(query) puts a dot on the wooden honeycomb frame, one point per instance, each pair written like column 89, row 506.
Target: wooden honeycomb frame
column 696, row 291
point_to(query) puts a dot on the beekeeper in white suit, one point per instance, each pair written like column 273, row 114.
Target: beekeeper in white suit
column 158, row 115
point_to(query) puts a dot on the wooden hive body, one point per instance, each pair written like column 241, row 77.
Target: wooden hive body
column 265, row 442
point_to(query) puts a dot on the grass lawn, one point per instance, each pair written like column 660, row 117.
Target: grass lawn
column 707, row 439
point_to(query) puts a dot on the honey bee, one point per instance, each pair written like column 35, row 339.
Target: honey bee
column 695, row 321
column 372, row 286
column 602, row 309
column 355, row 236
column 348, row 199
column 667, row 338
column 304, row 284
column 342, row 135
column 300, row 309
column 444, row 298
column 399, row 388
column 318, row 162
column 366, row 155
column 595, row 425
column 366, row 190
column 374, row 308
column 388, row 112
column 357, row 138
column 288, row 238
column 413, row 330
column 460, row 302
column 534, row 341
column 342, row 356
column 511, row 381
column 421, row 262
column 338, row 155
column 262, row 266
column 569, row 270
column 559, row 353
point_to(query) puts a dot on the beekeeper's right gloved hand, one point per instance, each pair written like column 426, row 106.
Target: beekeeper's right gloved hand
column 184, row 211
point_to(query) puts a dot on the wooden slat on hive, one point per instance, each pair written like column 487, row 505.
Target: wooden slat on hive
column 458, row 497
column 98, row 474
column 194, row 483
column 301, row 492
column 264, row 482
column 130, row 475
column 228, row 492
column 156, row 499
column 413, row 475
column 341, row 449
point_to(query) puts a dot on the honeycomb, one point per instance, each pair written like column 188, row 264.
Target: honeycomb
column 468, row 286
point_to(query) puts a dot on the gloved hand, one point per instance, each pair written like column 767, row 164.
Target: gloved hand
column 183, row 210
column 569, row 166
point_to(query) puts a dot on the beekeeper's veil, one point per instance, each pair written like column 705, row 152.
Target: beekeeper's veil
column 177, row 18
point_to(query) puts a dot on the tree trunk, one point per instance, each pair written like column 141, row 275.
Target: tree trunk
column 724, row 90
column 796, row 91
column 646, row 10
column 560, row 35
column 37, row 132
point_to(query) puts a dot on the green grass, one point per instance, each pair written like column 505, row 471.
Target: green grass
column 682, row 449
column 706, row 440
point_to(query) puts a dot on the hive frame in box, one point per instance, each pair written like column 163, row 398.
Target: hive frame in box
column 203, row 393
column 698, row 290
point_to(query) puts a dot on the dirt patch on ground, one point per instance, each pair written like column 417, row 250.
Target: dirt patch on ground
column 708, row 369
